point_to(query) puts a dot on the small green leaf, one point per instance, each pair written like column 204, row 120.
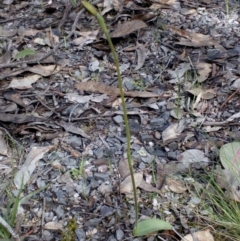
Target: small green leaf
column 24, row 53
column 151, row 225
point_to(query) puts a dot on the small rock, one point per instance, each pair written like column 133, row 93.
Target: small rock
column 146, row 137
column 59, row 211
column 157, row 122
column 80, row 234
column 119, row 234
column 47, row 235
column 98, row 153
column 129, row 85
column 106, row 211
column 172, row 155
column 118, row 119
column 101, row 176
column 93, row 222
column 105, row 188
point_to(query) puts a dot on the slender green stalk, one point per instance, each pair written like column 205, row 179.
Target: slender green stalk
column 101, row 21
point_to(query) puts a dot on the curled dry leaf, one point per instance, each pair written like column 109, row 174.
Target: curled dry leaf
column 86, row 38
column 73, row 129
column 127, row 28
column 30, row 164
column 126, row 184
column 193, row 39
column 170, row 133
column 142, row 55
column 203, row 70
column 24, row 83
column 206, row 94
column 3, row 145
column 53, row 226
column 124, row 172
column 148, row 187
column 175, row 185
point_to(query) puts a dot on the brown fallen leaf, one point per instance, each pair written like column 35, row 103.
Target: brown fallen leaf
column 176, row 185
column 127, row 27
column 111, row 90
column 14, row 96
column 193, row 39
column 148, row 187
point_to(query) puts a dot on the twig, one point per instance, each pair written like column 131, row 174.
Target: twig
column 230, row 97
column 9, row 229
column 74, row 26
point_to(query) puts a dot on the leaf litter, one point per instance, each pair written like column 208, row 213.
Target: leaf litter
column 60, row 89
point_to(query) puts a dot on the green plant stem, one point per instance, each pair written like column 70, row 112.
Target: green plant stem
column 129, row 157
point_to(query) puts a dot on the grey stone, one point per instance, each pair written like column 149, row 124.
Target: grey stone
column 129, row 85
column 111, row 238
column 134, row 127
column 98, row 153
column 94, row 183
column 93, row 222
column 118, row 119
column 106, row 211
column 142, row 166
column 119, row 234
column 47, row 235
column 173, row 146
column 81, row 235
column 122, row 139
column 172, row 155
column 147, row 159
column 105, row 188
column 59, row 211
column 101, row 176
column 157, row 122
column 146, row 137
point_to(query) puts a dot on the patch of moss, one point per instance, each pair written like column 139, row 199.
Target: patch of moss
column 69, row 233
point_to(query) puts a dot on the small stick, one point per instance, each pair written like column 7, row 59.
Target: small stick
column 230, row 97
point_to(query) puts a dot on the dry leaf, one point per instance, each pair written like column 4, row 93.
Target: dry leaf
column 194, row 39
column 142, row 55
column 170, row 133
column 3, row 145
column 123, row 168
column 175, row 185
column 206, row 94
column 86, row 38
column 126, row 184
column 148, row 187
column 203, row 70
column 200, row 236
column 24, row 83
column 73, row 129
column 93, row 86
column 127, row 27
column 29, row 166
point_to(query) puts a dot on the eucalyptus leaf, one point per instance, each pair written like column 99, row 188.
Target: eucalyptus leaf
column 230, row 156
column 151, row 225
column 24, row 53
